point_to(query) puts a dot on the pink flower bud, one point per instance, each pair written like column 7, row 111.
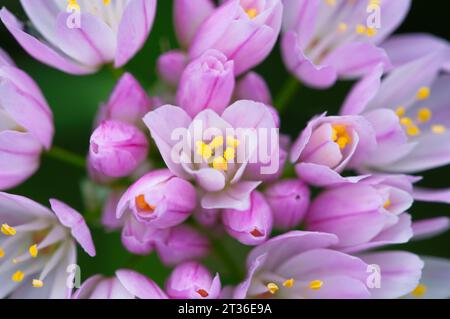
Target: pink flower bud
column 117, row 148
column 192, row 281
column 252, row 226
column 206, row 83
column 159, row 199
column 289, row 200
column 253, row 87
column 183, row 243
column 171, row 66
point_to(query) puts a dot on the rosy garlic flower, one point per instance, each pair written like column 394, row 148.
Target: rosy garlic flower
column 328, row 145
column 126, row 284
column 26, row 124
column 93, row 33
column 37, row 245
column 329, row 39
column 408, row 111
column 219, row 152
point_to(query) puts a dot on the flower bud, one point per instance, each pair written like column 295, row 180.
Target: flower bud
column 252, row 226
column 206, row 83
column 289, row 200
column 182, row 243
column 117, row 148
column 159, row 199
column 171, row 66
column 253, row 87
column 192, row 281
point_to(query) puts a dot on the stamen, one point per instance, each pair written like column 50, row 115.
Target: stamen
column 419, row 291
column 233, row 142
column 423, row 93
column 252, row 13
column 8, row 230
column 204, row 150
column 412, row 130
column 220, row 164
column 360, row 29
column 142, row 205
column 438, row 129
column 400, row 111
column 106, row 2
column 272, row 287
column 256, row 233
column 316, row 284
column 371, row 32
column 424, row 115
column 73, row 4
column 37, row 283
column 387, row 203
column 330, row 2
column 406, row 121
column 33, row 250
column 289, row 283
column 18, row 276
column 216, row 142
column 229, row 153
column 202, row 293
column 342, row 27
column 2, row 253
column 340, row 136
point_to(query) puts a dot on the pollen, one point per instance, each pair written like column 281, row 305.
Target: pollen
column 424, row 115
column 316, row 284
column 340, row 135
column 438, row 129
column 220, row 164
column 106, row 2
column 400, row 111
column 289, row 283
column 419, row 291
column 142, row 205
column 37, row 283
column 330, row 2
column 33, row 250
column 406, row 121
column 216, row 142
column 233, row 142
column 8, row 230
column 73, row 4
column 204, row 150
column 229, row 153
column 423, row 93
column 371, row 32
column 272, row 287
column 412, row 130
column 360, row 29
column 202, row 293
column 2, row 253
column 252, row 13
column 387, row 203
column 18, row 276
column 342, row 27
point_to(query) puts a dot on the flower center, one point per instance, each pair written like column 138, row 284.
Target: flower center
column 214, row 154
column 340, row 136
column 143, row 206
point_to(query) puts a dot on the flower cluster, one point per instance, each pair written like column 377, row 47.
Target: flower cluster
column 202, row 161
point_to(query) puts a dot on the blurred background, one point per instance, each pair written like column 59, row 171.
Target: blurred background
column 75, row 100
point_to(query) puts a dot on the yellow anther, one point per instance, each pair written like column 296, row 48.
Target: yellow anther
column 412, row 130
column 106, row 2
column 342, row 27
column 387, row 203
column 220, row 164
column 272, row 287
column 371, row 32
column 229, row 153
column 2, row 253
column 340, row 135
column 406, row 121
column 400, row 111
column 423, row 93
column 438, row 129
column 217, row 142
column 289, row 283
column 252, row 13
column 342, row 142
column 18, row 276
column 424, row 115
column 73, row 4
column 360, row 29
column 316, row 284
column 204, row 150
column 330, row 2
column 233, row 142
column 8, row 230
column 33, row 250
column 419, row 291
column 37, row 283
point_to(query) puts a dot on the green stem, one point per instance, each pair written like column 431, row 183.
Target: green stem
column 286, row 94
column 67, row 157
column 116, row 72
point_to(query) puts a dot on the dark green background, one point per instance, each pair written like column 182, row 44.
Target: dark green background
column 74, row 101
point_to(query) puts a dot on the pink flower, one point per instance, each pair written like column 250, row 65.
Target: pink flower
column 89, row 35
